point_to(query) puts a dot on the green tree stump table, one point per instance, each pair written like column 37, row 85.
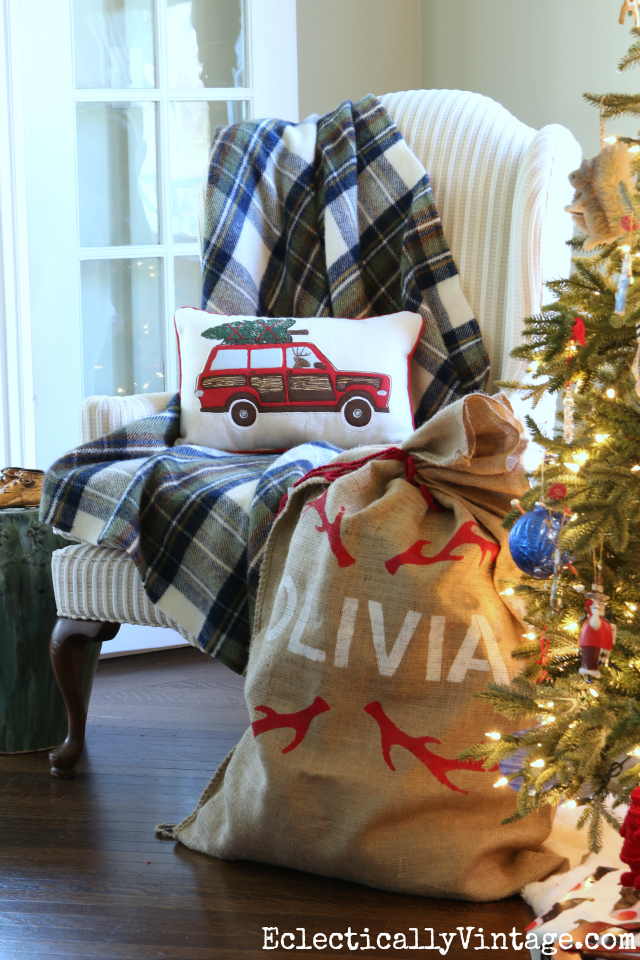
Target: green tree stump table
column 33, row 715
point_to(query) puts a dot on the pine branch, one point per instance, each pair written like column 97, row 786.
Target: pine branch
column 631, row 58
column 615, row 104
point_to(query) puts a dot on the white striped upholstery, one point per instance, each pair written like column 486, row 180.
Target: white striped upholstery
column 101, row 583
column 100, row 415
column 500, row 188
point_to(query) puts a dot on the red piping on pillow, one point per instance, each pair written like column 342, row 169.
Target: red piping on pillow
column 409, row 358
column 175, row 327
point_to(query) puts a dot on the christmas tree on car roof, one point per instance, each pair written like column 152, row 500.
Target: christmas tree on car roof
column 576, row 532
column 258, row 331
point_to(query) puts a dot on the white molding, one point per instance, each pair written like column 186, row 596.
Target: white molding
column 191, row 93
column 274, row 60
column 17, row 419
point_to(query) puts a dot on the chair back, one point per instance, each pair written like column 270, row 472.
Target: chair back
column 500, row 188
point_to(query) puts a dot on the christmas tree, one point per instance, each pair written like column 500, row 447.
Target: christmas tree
column 580, row 742
column 238, row 332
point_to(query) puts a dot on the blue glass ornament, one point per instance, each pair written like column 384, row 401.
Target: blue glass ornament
column 625, row 278
column 532, row 542
column 512, row 764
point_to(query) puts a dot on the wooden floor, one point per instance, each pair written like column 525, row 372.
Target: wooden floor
column 82, row 874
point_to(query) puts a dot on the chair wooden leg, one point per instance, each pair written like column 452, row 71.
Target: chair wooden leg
column 69, row 640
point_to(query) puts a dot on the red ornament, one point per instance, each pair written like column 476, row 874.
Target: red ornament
column 578, row 331
column 557, row 492
column 628, row 223
column 597, row 637
column 630, row 853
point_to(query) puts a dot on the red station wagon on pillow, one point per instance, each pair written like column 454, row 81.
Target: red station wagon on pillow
column 244, row 380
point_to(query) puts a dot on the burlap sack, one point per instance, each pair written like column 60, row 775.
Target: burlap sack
column 378, row 618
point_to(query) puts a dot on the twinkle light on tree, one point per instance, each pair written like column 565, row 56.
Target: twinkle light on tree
column 579, row 741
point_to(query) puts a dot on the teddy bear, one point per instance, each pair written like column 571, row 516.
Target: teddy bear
column 598, row 207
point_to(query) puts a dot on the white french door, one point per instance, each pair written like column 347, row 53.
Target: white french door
column 112, row 105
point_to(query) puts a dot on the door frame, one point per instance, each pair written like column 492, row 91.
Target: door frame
column 17, row 420
column 40, row 322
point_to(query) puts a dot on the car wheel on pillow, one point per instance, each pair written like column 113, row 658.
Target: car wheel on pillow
column 243, row 413
column 357, row 412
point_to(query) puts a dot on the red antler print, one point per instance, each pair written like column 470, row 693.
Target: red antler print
column 332, row 529
column 438, row 766
column 463, row 535
column 299, row 721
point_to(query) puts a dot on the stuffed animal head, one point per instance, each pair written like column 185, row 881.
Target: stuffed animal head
column 598, row 206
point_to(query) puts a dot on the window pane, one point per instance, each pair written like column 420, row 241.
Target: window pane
column 230, row 358
column 193, row 124
column 113, row 44
column 188, row 282
column 117, row 173
column 269, row 357
column 206, row 43
column 122, row 343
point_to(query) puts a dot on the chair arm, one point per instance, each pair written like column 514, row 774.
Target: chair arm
column 539, row 232
column 100, row 415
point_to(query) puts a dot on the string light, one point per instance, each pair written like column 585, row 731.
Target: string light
column 529, row 636
column 611, row 139
column 493, row 735
column 574, row 517
column 611, row 393
column 502, row 782
column 571, row 804
column 575, row 467
column 601, row 437
column 581, row 457
column 508, row 592
column 635, row 752
column 626, row 248
column 572, row 627
column 634, row 149
column 636, row 468
column 593, row 692
column 537, row 763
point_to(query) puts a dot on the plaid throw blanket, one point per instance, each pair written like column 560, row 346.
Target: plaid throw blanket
column 335, row 217
column 195, row 521
column 329, row 217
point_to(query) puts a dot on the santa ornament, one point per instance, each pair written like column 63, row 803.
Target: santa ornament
column 598, row 635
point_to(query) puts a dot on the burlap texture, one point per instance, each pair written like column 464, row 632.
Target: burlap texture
column 378, row 654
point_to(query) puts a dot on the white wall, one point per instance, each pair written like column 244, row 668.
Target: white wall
column 536, row 57
column 347, row 48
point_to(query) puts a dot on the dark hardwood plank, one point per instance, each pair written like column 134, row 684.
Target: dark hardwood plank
column 75, row 876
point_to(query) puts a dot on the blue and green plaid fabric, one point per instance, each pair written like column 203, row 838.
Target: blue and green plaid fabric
column 330, row 217
column 195, row 521
column 335, row 217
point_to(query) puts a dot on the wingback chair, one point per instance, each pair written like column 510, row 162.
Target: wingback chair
column 500, row 188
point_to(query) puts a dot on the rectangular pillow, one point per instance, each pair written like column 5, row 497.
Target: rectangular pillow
column 252, row 383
